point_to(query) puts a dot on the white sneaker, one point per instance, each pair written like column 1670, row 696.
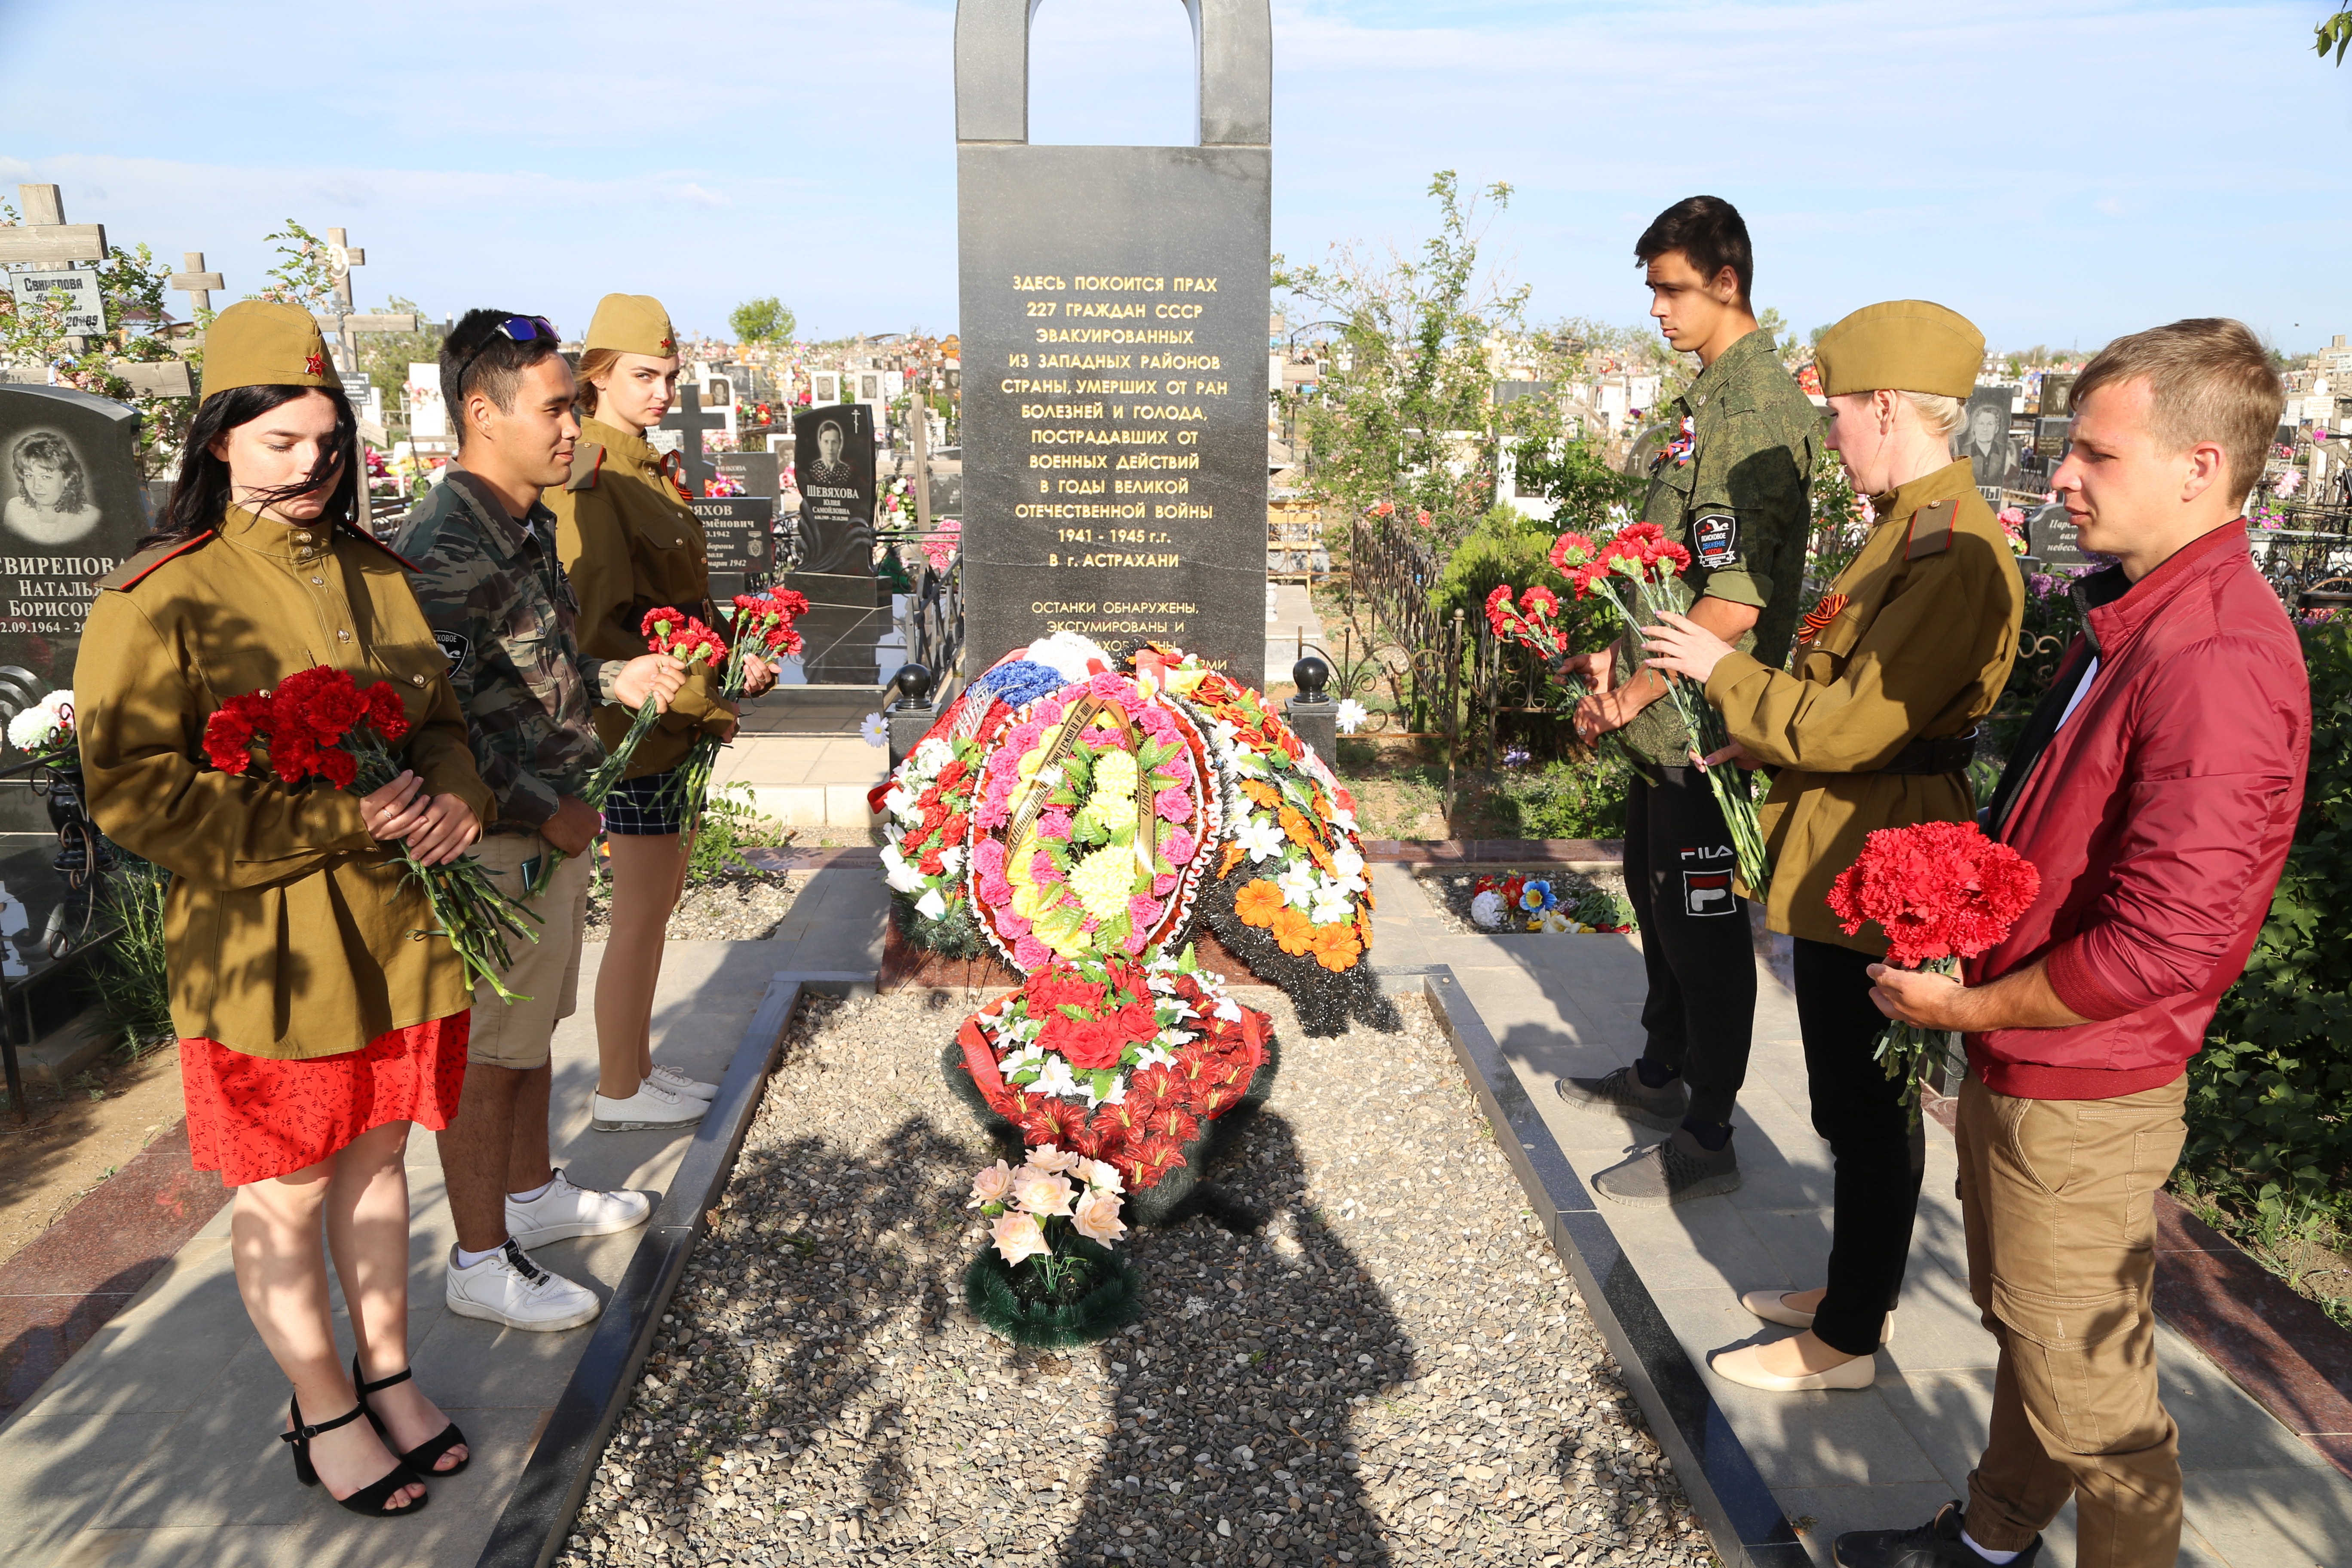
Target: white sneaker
column 651, row 1106
column 685, row 1088
column 508, row 1288
column 564, row 1211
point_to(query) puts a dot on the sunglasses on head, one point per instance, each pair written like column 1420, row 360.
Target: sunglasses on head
column 514, row 328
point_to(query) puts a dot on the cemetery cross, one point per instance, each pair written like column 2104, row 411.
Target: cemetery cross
column 691, row 420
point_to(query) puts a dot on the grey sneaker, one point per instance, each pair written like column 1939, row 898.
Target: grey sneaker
column 1623, row 1093
column 1681, row 1167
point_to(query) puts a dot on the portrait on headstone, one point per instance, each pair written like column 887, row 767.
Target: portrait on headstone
column 869, row 386
column 48, row 491
column 834, row 457
column 825, row 387
column 1984, row 440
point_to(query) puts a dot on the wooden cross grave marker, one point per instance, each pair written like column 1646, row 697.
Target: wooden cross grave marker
column 195, row 282
column 42, row 235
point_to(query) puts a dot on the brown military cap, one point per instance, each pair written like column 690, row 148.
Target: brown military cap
column 260, row 343
column 1902, row 345
column 632, row 324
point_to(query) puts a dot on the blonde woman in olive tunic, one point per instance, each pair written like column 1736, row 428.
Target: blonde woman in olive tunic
column 316, row 1022
column 630, row 544
column 1909, row 648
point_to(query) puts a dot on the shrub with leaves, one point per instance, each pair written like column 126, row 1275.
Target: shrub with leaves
column 2270, row 1097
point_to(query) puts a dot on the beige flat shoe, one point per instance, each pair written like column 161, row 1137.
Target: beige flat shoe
column 1772, row 1306
column 1741, row 1366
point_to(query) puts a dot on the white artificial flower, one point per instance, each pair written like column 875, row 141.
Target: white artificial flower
column 933, row 755
column 1487, row 910
column 1248, row 762
column 1225, row 731
column 1331, row 912
column 900, row 801
column 1229, row 1010
column 930, row 906
column 900, row 874
column 1298, row 884
column 1347, row 862
column 1352, row 715
column 1152, row 1056
column 874, row 729
column 1056, row 1080
column 1260, row 838
column 1345, row 819
column 951, row 859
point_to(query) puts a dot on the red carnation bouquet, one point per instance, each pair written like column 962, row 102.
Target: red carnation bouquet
column 1122, row 1061
column 1941, row 891
column 1529, row 622
column 762, row 622
column 320, row 723
column 666, row 631
column 1641, row 562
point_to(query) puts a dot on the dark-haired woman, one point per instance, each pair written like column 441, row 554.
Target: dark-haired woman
column 316, row 1022
column 629, row 544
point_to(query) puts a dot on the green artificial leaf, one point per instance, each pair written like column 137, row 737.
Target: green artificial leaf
column 1188, row 963
column 1073, row 1012
column 1104, row 1080
column 1161, row 865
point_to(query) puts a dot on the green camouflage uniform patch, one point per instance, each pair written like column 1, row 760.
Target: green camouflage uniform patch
column 499, row 606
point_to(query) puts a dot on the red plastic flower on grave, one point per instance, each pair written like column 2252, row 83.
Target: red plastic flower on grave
column 1937, row 890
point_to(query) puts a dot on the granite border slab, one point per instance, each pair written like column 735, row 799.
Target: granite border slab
column 531, row 1527
column 1726, row 1490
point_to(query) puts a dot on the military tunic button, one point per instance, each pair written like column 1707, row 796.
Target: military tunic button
column 320, row 580
column 415, row 680
column 302, row 539
column 343, row 637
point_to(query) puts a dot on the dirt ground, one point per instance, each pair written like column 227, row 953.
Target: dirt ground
column 73, row 1141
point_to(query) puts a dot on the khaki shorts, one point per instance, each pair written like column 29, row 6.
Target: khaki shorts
column 516, row 1035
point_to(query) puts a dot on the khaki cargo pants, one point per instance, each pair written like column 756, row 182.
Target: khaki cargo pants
column 2058, row 1196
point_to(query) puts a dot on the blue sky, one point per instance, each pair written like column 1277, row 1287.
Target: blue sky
column 2060, row 171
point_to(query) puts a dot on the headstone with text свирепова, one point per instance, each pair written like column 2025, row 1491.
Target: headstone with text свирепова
column 1113, row 315
column 71, row 510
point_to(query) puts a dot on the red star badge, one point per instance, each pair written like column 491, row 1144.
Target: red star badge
column 315, row 366
column 669, row 344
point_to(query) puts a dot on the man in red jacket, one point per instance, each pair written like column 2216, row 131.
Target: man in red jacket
column 2157, row 788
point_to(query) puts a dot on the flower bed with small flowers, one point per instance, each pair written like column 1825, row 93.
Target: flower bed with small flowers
column 1514, row 903
column 1134, row 1064
column 1089, row 825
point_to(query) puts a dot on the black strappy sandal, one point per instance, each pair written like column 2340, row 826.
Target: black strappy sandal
column 370, row 1499
column 419, row 1458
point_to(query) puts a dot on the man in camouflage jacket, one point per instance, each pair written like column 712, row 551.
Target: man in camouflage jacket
column 491, row 590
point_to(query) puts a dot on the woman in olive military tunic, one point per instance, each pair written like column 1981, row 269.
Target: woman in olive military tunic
column 1909, row 648
column 630, row 544
column 317, row 1020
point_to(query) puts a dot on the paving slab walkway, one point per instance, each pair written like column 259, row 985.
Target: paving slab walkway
column 2258, row 1496
column 156, row 1442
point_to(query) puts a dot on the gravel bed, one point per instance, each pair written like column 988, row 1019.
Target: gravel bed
column 1397, row 1371
column 1450, row 892
column 735, row 906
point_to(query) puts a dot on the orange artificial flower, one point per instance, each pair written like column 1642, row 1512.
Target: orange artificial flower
column 1335, row 946
column 1266, row 795
column 1234, row 853
column 1259, row 903
column 1322, row 857
column 1294, row 828
column 1292, row 930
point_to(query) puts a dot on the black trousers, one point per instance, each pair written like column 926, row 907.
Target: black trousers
column 1877, row 1153
column 1696, row 943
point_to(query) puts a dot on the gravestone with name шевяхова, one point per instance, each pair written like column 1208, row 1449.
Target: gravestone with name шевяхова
column 1113, row 341
column 833, row 459
column 71, row 510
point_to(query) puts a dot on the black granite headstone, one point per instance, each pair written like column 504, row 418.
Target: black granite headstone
column 1984, row 439
column 753, row 473
column 832, row 458
column 71, row 510
column 1113, row 322
column 2053, row 539
column 843, row 625
column 740, row 530
column 2056, row 389
column 2050, row 436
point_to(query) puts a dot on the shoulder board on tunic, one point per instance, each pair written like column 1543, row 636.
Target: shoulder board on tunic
column 363, row 537
column 587, row 462
column 132, row 573
column 1931, row 529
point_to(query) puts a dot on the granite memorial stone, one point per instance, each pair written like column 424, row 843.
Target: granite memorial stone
column 1113, row 315
column 71, row 510
column 1984, row 440
column 832, row 458
column 740, row 533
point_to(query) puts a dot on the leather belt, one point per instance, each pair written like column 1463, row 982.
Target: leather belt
column 1950, row 754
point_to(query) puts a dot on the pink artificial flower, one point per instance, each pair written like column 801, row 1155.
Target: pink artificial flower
column 1179, row 846
column 1047, row 713
column 1162, row 886
column 992, row 811
column 1023, row 738
column 992, row 1186
column 1041, row 869
column 1019, row 1236
column 1144, row 913
column 1107, row 685
column 996, row 891
column 1098, row 1217
column 1054, row 824
column 987, row 858
column 1159, row 725
column 1090, row 925
column 1011, row 926
column 1134, row 943
column 1031, row 953
column 1174, row 804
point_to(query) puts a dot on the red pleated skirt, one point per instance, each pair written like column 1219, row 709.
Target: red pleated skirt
column 253, row 1117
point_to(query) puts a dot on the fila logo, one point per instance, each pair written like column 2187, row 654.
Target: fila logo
column 1708, row 893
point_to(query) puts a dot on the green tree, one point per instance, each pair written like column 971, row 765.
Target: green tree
column 762, row 320
column 2336, row 35
column 1406, row 411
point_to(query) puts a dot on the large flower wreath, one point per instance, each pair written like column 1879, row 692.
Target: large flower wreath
column 1289, row 892
column 1089, row 825
column 1140, row 1064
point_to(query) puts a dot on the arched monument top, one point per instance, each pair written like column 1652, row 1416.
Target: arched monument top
column 1233, row 57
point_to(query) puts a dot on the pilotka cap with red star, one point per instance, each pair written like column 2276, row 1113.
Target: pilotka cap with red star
column 632, row 324
column 260, row 343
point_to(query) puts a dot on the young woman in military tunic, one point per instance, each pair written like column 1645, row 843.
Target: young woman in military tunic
column 1909, row 648
column 629, row 544
column 317, row 1020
